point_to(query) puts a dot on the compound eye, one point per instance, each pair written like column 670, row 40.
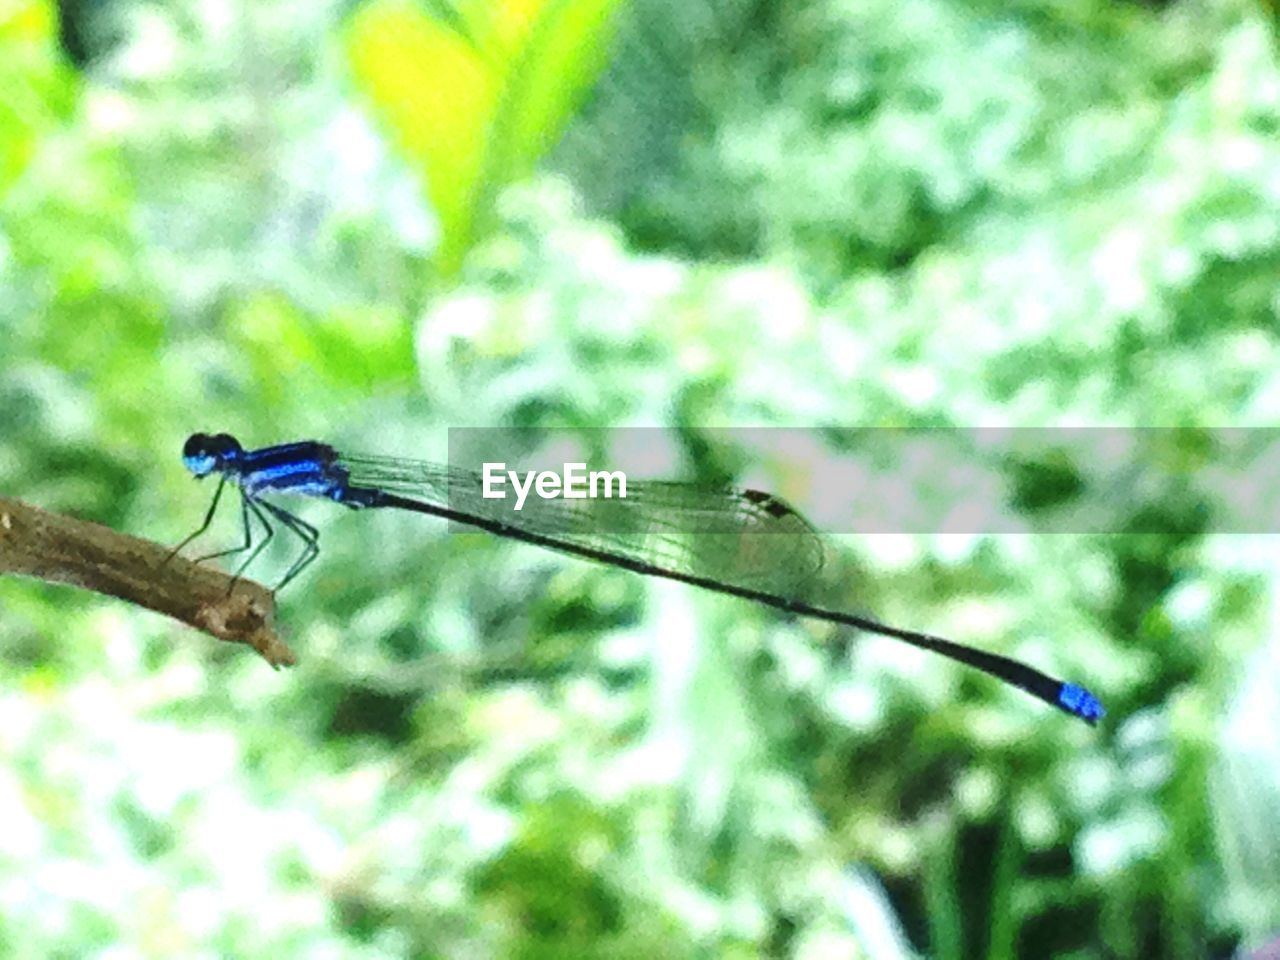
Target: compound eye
column 202, row 454
column 197, row 445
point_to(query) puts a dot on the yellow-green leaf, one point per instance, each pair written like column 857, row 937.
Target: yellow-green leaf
column 475, row 100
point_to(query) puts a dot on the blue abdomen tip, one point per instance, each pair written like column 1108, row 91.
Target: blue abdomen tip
column 1081, row 702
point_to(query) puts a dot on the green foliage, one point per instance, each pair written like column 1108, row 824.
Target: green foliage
column 475, row 98
column 928, row 213
column 38, row 88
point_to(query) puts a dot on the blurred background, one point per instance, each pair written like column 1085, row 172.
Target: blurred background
column 368, row 222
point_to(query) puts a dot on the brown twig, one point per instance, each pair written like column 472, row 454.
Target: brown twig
column 62, row 549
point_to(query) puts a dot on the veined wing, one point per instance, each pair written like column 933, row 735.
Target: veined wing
column 739, row 537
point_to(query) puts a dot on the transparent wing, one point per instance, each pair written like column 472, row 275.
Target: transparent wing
column 739, row 537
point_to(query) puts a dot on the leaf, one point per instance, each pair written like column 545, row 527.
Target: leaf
column 36, row 91
column 476, row 100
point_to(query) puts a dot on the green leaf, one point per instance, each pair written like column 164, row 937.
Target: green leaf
column 475, row 102
column 36, row 91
